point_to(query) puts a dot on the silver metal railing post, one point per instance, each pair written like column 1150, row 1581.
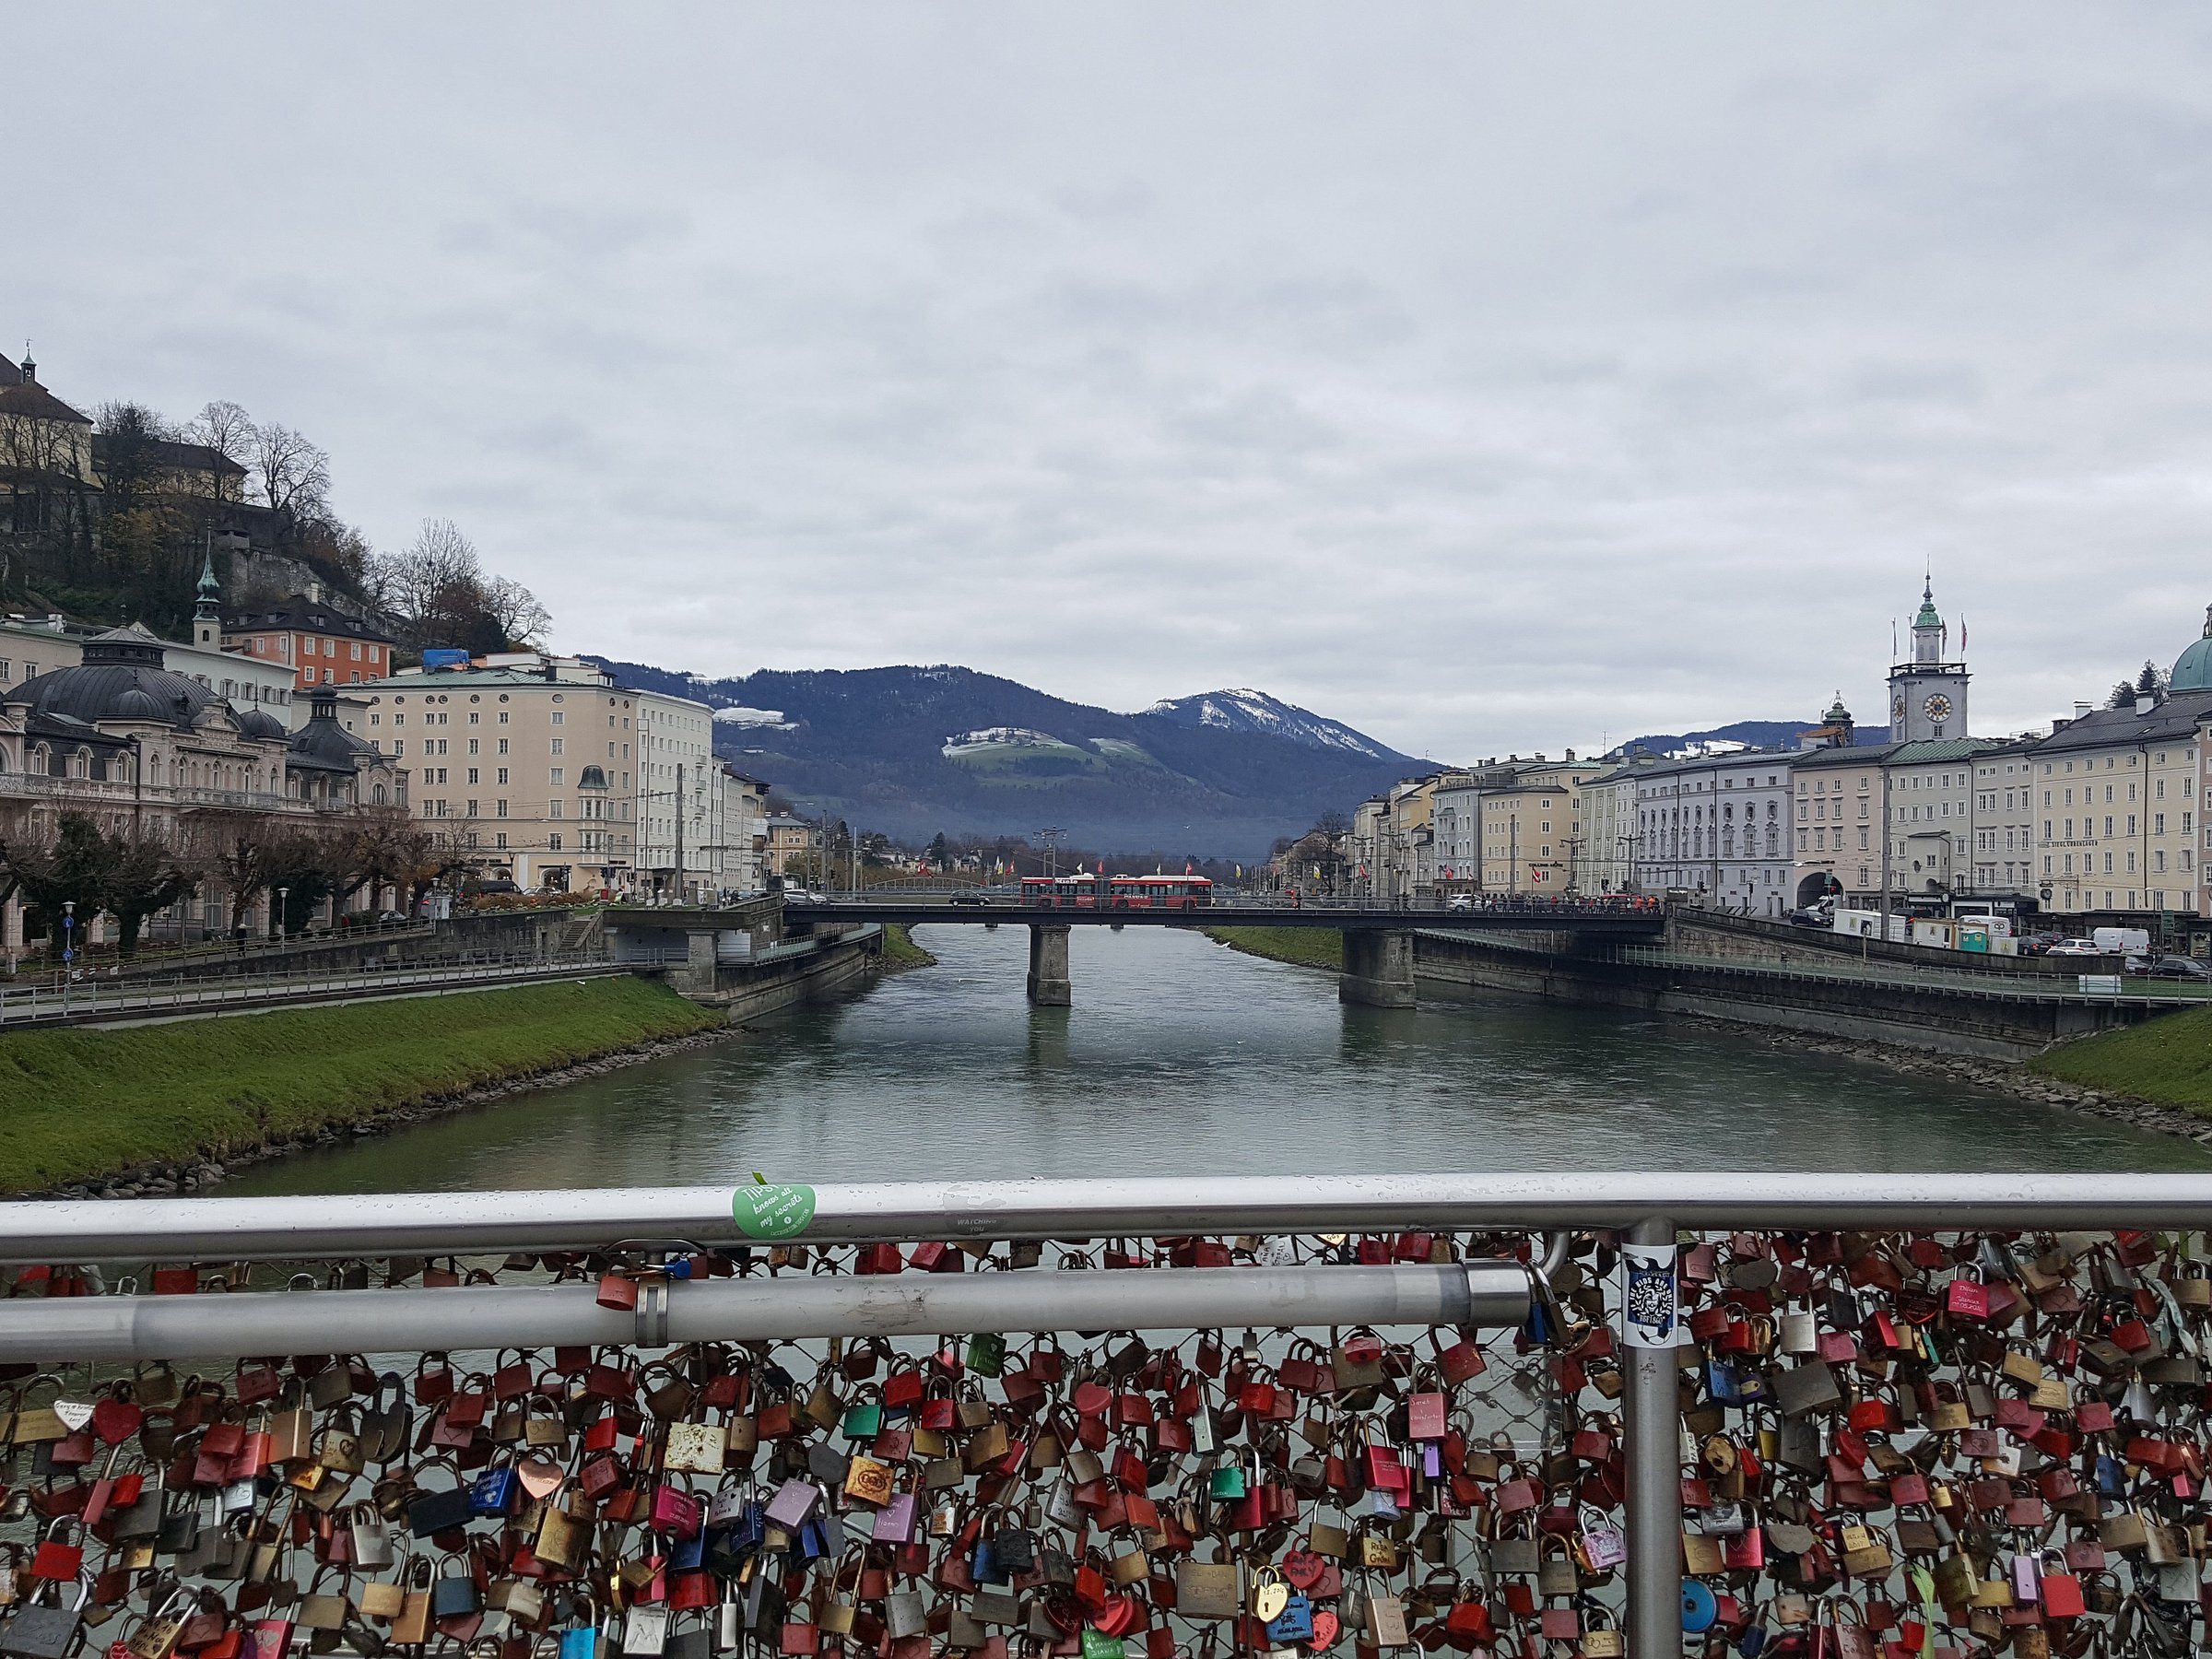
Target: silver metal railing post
column 1654, row 1497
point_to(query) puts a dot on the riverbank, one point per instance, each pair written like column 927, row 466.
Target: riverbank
column 2165, row 1061
column 2156, row 1077
column 170, row 1107
column 901, row 952
column 1305, row 946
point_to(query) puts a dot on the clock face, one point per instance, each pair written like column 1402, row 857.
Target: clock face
column 1897, row 709
column 1937, row 707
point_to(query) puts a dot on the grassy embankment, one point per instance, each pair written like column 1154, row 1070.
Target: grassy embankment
column 77, row 1103
column 2167, row 1059
column 900, row 951
column 1307, row 946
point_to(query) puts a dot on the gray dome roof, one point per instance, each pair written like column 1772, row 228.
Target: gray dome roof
column 260, row 722
column 113, row 690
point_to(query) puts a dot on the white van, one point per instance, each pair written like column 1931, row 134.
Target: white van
column 2121, row 941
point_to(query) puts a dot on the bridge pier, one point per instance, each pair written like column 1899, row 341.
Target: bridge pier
column 1049, row 985
column 1378, row 970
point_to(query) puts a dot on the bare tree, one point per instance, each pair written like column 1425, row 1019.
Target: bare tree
column 226, row 428
column 516, row 611
column 292, row 475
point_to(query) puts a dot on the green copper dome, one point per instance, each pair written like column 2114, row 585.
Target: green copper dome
column 2193, row 668
column 1927, row 618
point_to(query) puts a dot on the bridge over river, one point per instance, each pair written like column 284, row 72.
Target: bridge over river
column 1378, row 941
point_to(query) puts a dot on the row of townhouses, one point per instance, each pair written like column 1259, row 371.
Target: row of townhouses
column 2106, row 814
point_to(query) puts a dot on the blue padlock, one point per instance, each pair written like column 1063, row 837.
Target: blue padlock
column 579, row 1644
column 1294, row 1624
column 983, row 1564
column 492, row 1492
column 689, row 1555
column 1699, row 1609
column 1750, row 1644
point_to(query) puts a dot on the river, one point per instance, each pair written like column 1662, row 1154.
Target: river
column 1181, row 1057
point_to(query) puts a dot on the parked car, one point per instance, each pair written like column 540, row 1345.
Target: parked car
column 2181, row 968
column 2074, row 948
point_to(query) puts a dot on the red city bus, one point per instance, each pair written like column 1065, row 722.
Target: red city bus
column 1160, row 892
column 1063, row 892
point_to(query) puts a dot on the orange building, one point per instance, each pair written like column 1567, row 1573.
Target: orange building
column 321, row 643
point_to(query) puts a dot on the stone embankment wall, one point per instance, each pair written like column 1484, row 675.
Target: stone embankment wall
column 1912, row 1016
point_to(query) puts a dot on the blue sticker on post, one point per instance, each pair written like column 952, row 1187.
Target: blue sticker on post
column 1651, row 1298
column 773, row 1210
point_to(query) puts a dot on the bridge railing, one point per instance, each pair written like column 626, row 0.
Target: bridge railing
column 1537, row 1414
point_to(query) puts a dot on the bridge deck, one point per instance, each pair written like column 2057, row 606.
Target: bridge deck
column 1605, row 922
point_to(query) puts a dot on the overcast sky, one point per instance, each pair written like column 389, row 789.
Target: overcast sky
column 1492, row 377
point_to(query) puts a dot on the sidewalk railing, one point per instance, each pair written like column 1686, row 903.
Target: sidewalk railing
column 1535, row 1414
column 94, row 995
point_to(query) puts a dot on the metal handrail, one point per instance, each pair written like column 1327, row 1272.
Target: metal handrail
column 1969, row 982
column 73, row 1000
column 124, row 1328
column 336, row 1226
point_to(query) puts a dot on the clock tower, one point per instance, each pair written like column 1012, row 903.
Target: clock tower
column 1927, row 695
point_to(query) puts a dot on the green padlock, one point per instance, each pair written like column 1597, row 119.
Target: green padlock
column 1096, row 1644
column 1229, row 1481
column 987, row 1353
column 863, row 1419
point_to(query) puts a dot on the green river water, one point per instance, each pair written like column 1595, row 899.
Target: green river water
column 1182, row 1057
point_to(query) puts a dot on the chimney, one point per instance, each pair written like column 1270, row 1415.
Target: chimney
column 2059, row 723
column 2144, row 703
column 2081, row 710
column 1570, row 757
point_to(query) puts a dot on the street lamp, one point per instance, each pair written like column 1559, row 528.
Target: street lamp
column 284, row 895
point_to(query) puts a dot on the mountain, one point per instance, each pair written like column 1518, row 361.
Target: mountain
column 913, row 750
column 1751, row 733
column 1247, row 710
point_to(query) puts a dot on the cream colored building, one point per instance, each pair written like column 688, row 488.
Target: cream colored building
column 1529, row 826
column 528, row 764
column 2118, row 796
column 32, row 646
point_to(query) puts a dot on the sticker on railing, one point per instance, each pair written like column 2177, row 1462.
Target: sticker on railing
column 1651, row 1298
column 778, row 1210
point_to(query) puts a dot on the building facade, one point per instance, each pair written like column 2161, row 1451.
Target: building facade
column 1529, row 826
column 681, row 802
column 512, row 762
column 318, row 643
column 2118, row 794
column 1717, row 826
column 121, row 739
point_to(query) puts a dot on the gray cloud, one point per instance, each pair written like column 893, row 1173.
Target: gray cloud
column 1492, row 380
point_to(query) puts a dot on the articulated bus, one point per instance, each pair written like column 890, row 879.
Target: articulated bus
column 1118, row 892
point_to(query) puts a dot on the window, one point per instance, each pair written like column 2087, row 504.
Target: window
column 559, row 775
column 557, row 746
column 475, row 745
column 356, row 651
column 502, row 774
column 499, row 809
column 557, row 717
column 472, row 775
column 553, row 809
column 502, row 741
column 553, row 840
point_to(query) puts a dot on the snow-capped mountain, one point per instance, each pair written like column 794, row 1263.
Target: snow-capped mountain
column 1241, row 708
